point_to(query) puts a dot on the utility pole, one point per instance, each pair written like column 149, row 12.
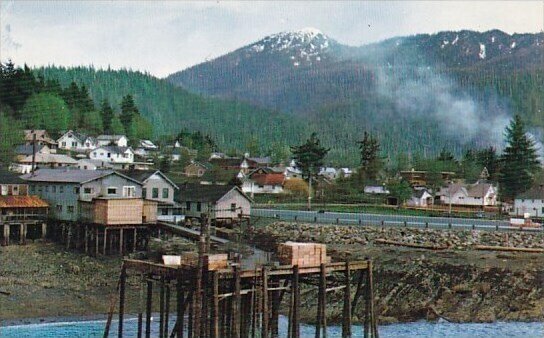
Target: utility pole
column 33, row 153
column 310, row 193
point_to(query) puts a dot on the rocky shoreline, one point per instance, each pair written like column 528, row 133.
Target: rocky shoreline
column 457, row 284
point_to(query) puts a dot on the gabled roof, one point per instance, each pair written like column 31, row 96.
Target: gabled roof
column 206, row 192
column 204, row 165
column 479, row 189
column 419, row 193
column 267, row 178
column 80, row 136
column 41, row 135
column 27, row 149
column 227, row 161
column 70, row 175
column 22, row 202
column 143, row 175
column 49, row 158
column 110, row 137
column 8, row 177
column 535, row 193
column 260, row 160
column 115, row 149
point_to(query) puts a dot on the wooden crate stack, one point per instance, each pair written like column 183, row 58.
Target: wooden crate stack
column 211, row 262
column 302, row 254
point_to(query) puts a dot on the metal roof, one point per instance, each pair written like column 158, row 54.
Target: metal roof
column 70, row 175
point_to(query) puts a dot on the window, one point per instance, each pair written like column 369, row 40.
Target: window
column 165, row 192
column 40, row 188
column 32, row 188
column 164, row 212
column 542, row 210
column 76, row 190
column 46, row 188
column 74, row 144
column 88, row 190
column 198, row 206
column 188, row 205
column 233, row 207
column 155, row 193
column 144, row 193
column 109, row 155
column 59, row 208
column 129, row 191
column 70, row 209
column 54, row 189
column 61, row 189
column 112, row 191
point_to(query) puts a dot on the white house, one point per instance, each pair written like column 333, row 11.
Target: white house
column 345, row 172
column 420, row 198
column 479, row 194
column 88, row 164
column 117, row 140
column 329, row 172
column 75, row 141
column 263, row 181
column 375, row 189
column 531, row 202
column 113, row 154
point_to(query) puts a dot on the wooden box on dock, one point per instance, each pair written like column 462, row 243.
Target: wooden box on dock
column 211, row 262
column 302, row 254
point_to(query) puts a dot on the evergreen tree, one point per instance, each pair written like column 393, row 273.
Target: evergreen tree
column 470, row 167
column 371, row 163
column 128, row 113
column 489, row 159
column 309, row 156
column 106, row 113
column 519, row 160
column 400, row 189
column 46, row 111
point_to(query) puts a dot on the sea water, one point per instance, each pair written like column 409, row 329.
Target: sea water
column 95, row 328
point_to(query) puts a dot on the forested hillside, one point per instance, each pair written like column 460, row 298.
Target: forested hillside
column 170, row 109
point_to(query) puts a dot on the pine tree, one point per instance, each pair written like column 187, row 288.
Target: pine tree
column 371, row 163
column 106, row 112
column 309, row 156
column 128, row 113
column 519, row 160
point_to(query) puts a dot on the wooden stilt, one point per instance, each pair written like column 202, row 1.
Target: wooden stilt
column 140, row 310
column 121, row 242
column 373, row 324
column 86, row 238
column 135, row 240
column 122, row 300
column 236, row 303
column 105, row 240
column 323, row 286
column 296, row 305
column 180, row 303
column 96, row 252
column 190, row 320
column 148, row 308
column 167, row 310
column 264, row 297
column 161, row 309
column 346, row 315
column 215, row 305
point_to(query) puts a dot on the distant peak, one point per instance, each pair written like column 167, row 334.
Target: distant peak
column 310, row 31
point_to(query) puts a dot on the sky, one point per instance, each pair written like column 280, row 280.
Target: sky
column 162, row 37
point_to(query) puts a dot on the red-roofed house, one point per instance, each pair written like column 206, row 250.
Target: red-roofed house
column 263, row 181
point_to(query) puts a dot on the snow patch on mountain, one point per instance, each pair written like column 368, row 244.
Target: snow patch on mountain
column 481, row 54
column 306, row 45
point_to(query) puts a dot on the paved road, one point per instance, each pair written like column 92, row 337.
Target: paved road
column 388, row 220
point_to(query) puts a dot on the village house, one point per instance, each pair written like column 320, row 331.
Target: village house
column 376, row 189
column 480, row 194
column 156, row 186
column 179, row 151
column 531, row 202
column 19, row 211
column 112, row 140
column 121, row 157
column 228, row 163
column 221, row 202
column 251, row 163
column 328, row 172
column 88, row 164
column 41, row 136
column 196, row 169
column 43, row 161
column 263, row 181
column 25, row 150
column 419, row 178
column 345, row 172
column 421, row 198
column 94, row 196
column 75, row 141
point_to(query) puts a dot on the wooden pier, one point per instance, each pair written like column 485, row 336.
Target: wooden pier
column 245, row 303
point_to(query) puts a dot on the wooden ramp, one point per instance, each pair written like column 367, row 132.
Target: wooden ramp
column 188, row 232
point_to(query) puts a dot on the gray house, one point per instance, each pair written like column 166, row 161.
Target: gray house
column 98, row 196
column 156, row 186
column 222, row 202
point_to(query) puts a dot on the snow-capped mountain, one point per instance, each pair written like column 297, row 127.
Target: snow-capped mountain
column 300, row 71
column 305, row 46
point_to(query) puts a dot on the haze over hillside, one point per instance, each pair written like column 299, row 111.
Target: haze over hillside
column 419, row 92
